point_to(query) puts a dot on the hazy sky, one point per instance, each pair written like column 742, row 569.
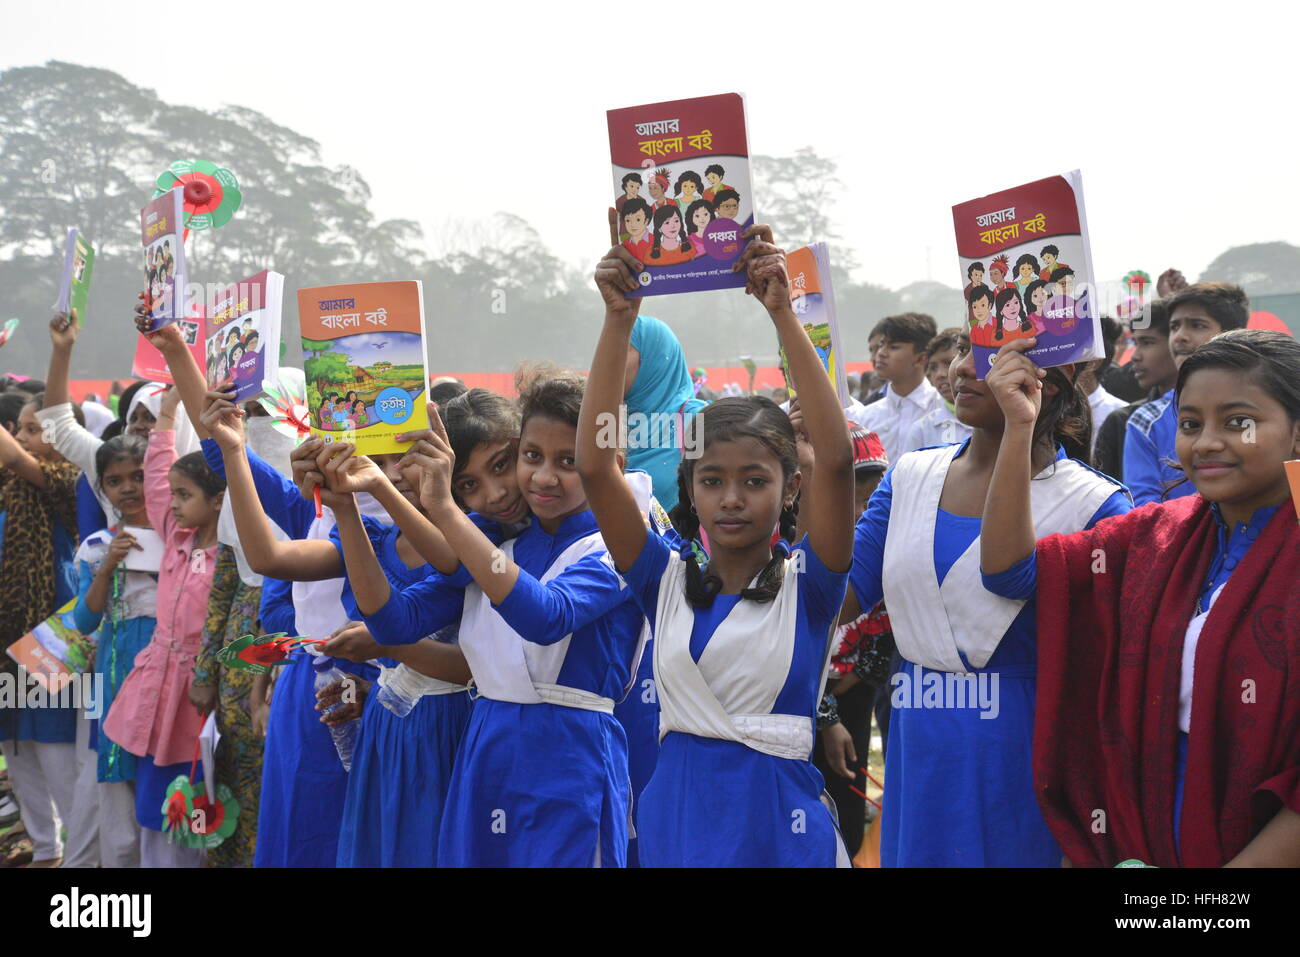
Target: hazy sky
column 1180, row 115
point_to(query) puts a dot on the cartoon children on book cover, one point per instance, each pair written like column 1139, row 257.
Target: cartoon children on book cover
column 1027, row 272
column 813, row 301
column 682, row 190
column 161, row 234
column 365, row 362
column 237, row 334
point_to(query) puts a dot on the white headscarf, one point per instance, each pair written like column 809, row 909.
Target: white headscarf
column 149, row 395
column 98, row 417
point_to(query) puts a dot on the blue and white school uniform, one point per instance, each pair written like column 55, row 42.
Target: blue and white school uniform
column 541, row 778
column 958, row 774
column 738, row 685
column 401, row 766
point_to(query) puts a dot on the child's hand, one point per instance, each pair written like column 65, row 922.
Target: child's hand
column 63, row 330
column 837, row 744
column 1015, row 382
column 222, row 418
column 303, row 462
column 171, row 400
column 203, row 697
column 350, row 696
column 121, row 545
column 345, row 472
column 435, row 462
column 353, row 643
column 764, row 265
column 616, row 274
column 261, row 714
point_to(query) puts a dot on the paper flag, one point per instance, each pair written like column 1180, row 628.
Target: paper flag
column 8, row 330
column 259, row 654
column 211, row 192
column 194, row 820
column 286, row 403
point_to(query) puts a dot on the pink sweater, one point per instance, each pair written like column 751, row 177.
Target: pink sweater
column 152, row 713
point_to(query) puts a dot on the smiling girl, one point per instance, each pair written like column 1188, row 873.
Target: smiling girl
column 670, row 246
column 741, row 643
column 552, row 640
column 958, row 788
column 1168, row 639
column 121, row 604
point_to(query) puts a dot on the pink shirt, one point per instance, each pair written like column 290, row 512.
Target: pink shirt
column 152, row 713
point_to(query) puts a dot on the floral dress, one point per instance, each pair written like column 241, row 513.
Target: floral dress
column 232, row 612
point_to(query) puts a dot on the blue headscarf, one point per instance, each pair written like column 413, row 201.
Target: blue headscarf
column 663, row 385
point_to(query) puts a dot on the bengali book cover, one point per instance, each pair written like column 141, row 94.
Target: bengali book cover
column 813, row 298
column 74, row 285
column 54, row 650
column 364, row 360
column 1026, row 269
column 242, row 334
column 162, row 232
column 682, row 191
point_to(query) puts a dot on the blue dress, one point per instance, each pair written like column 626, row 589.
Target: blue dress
column 538, row 785
column 401, row 767
column 117, row 644
column 962, row 780
column 303, row 782
column 638, row 713
column 716, row 803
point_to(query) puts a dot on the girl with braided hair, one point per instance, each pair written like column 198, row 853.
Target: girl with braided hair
column 741, row 641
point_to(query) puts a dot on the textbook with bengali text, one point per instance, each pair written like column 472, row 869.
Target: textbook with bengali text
column 813, row 298
column 149, row 362
column 54, row 650
column 74, row 286
column 162, row 232
column 1026, row 269
column 682, row 191
column 364, row 359
column 242, row 334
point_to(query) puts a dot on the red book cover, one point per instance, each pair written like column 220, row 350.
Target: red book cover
column 682, row 190
column 1026, row 269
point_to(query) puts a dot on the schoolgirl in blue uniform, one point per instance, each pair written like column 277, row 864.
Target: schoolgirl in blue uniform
column 740, row 647
column 552, row 641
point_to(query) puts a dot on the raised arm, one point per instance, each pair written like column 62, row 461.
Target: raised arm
column 63, row 336
column 19, row 461
column 830, row 527
column 294, row 560
column 1007, row 531
column 622, row 523
column 187, row 375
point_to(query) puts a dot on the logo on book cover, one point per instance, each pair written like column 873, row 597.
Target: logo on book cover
column 394, row 405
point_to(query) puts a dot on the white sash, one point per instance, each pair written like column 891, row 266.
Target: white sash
column 508, row 668
column 729, row 694
column 1063, row 498
column 408, row 682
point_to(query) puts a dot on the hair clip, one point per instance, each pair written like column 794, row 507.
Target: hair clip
column 782, row 548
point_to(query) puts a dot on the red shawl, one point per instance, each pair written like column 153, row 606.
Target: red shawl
column 1109, row 659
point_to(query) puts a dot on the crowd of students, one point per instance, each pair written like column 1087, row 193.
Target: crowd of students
column 1076, row 619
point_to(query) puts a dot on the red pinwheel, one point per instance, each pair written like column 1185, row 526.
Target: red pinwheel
column 211, row 192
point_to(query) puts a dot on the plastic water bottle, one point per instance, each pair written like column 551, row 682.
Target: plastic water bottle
column 344, row 735
column 397, row 692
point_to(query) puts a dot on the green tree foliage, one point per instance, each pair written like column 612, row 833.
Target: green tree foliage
column 82, row 147
column 1260, row 268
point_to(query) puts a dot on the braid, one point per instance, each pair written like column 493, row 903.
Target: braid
column 701, row 587
column 768, row 584
column 654, row 252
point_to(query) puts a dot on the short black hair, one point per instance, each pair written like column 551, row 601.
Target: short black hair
column 1156, row 317
column 722, row 196
column 195, row 468
column 1110, row 335
column 1227, row 304
column 1050, row 250
column 444, row 392
column 972, row 267
column 715, row 168
column 976, row 293
column 11, row 406
column 636, row 205
column 915, row 328
column 943, row 340
column 1060, row 272
column 631, row 178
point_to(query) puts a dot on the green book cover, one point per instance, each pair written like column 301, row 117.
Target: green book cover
column 78, row 263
